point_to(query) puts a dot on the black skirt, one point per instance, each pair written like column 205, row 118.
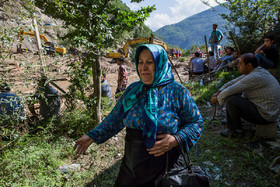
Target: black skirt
column 138, row 168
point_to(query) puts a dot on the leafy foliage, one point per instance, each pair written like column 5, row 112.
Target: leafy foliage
column 94, row 25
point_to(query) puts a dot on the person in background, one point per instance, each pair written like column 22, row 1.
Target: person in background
column 11, row 109
column 105, row 88
column 267, row 54
column 215, row 39
column 234, row 63
column 176, row 53
column 172, row 51
column 49, row 100
column 156, row 111
column 180, row 53
column 122, row 76
column 254, row 96
column 197, row 65
column 224, row 61
column 212, row 60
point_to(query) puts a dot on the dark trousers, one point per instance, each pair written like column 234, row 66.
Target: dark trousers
column 264, row 62
column 238, row 107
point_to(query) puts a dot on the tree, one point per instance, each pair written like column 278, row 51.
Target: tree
column 93, row 25
column 250, row 20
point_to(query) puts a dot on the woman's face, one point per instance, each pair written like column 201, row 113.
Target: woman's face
column 146, row 66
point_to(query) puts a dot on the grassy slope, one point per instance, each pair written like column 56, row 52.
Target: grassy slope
column 33, row 160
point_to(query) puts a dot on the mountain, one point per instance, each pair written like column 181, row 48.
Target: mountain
column 191, row 30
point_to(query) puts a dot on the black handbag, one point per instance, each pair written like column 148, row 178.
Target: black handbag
column 183, row 173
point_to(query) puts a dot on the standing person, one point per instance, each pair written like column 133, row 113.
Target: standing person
column 176, row 53
column 154, row 111
column 215, row 39
column 180, row 53
column 122, row 76
column 11, row 109
column 267, row 54
column 172, row 52
column 49, row 100
column 254, row 96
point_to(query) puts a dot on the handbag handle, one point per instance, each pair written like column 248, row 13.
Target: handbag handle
column 183, row 152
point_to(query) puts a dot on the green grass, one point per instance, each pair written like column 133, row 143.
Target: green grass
column 233, row 161
column 33, row 159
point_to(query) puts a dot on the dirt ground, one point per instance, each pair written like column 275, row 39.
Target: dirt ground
column 24, row 70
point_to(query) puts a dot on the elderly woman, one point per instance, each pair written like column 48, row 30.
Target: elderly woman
column 154, row 110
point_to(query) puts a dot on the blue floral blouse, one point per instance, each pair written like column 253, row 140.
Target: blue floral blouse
column 177, row 114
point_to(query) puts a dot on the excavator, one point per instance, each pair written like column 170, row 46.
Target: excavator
column 48, row 45
column 123, row 52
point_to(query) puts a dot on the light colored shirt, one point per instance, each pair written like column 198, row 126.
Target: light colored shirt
column 106, row 90
column 212, row 61
column 259, row 87
column 197, row 65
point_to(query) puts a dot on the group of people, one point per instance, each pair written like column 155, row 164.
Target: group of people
column 267, row 55
column 177, row 53
column 255, row 95
column 12, row 110
column 156, row 110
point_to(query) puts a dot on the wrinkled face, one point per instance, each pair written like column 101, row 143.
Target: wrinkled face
column 146, row 66
column 268, row 42
column 243, row 68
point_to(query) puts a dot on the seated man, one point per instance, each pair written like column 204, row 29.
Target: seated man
column 105, row 88
column 260, row 99
column 267, row 54
column 197, row 65
column 212, row 60
column 49, row 100
column 223, row 61
column 11, row 110
column 235, row 62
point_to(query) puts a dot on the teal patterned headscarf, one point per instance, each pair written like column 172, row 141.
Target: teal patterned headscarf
column 163, row 76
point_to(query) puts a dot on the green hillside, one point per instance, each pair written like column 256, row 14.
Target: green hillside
column 191, row 30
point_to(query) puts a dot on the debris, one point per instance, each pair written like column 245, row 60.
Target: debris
column 275, row 166
column 69, row 168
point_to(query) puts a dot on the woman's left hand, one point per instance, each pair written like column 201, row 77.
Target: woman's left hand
column 163, row 145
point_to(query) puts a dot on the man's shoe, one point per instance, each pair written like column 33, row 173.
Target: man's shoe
column 231, row 133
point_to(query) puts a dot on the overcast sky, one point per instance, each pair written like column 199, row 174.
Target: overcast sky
column 169, row 11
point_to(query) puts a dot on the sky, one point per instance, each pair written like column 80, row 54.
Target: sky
column 169, row 11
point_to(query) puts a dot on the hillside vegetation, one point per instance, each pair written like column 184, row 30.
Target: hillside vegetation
column 191, row 30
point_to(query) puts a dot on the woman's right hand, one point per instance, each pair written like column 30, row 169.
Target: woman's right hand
column 82, row 144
